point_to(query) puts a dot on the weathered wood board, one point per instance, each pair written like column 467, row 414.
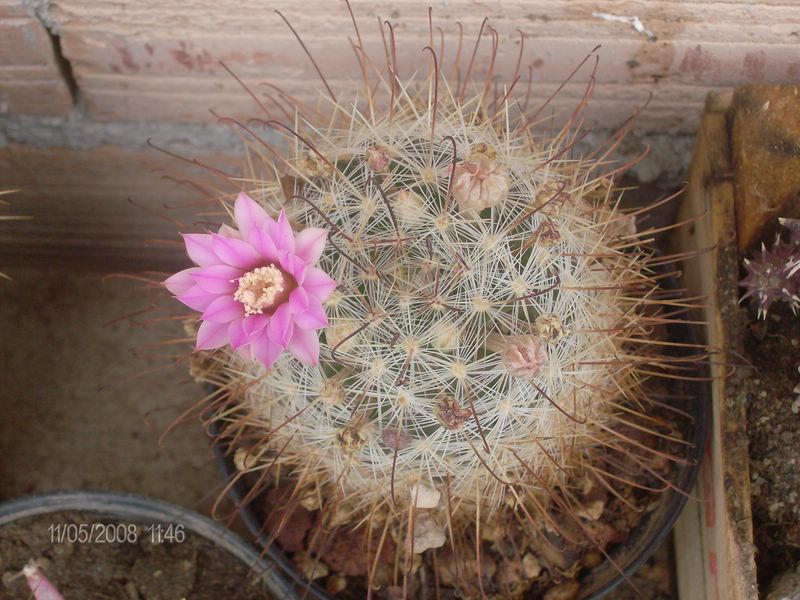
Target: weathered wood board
column 715, row 555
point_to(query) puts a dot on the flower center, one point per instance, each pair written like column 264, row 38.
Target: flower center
column 261, row 289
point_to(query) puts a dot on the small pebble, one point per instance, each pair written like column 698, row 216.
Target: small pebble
column 311, row 568
column 424, row 496
column 336, row 583
column 531, row 566
column 563, row 591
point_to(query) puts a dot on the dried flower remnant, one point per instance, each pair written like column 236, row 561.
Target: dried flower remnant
column 40, row 586
column 547, row 234
column 409, row 208
column 549, row 198
column 352, row 437
column 257, row 287
column 311, row 568
column 378, row 158
column 531, row 566
column 550, row 328
column 331, row 392
column 479, row 183
column 449, row 413
column 312, row 165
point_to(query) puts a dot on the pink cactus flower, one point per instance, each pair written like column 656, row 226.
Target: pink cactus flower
column 257, row 287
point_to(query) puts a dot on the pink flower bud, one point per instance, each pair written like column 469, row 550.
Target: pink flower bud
column 377, row 158
column 524, row 355
column 479, row 183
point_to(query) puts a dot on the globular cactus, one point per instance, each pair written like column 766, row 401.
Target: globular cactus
column 473, row 330
column 774, row 274
column 488, row 337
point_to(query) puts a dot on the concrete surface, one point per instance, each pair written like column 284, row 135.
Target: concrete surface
column 83, row 397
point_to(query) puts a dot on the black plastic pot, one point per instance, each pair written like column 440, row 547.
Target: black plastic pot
column 691, row 397
column 143, row 510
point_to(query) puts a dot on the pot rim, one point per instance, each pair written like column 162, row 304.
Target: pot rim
column 143, row 509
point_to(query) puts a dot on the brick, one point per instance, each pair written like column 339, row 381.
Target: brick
column 147, row 81
column 12, row 8
column 46, row 98
column 280, row 57
column 24, row 41
column 31, row 81
column 160, row 58
column 672, row 20
column 26, row 73
column 145, row 62
column 676, row 108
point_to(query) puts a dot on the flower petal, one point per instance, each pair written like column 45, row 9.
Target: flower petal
column 295, row 266
column 304, row 345
column 229, row 232
column 282, row 233
column 318, row 283
column 197, row 298
column 313, row 317
column 211, row 335
column 310, row 243
column 254, row 324
column 223, row 310
column 217, row 279
column 181, row 282
column 265, row 245
column 266, row 351
column 41, row 588
column 249, row 215
column 237, row 335
column 298, row 300
column 246, row 352
column 198, row 247
column 237, row 253
column 281, row 325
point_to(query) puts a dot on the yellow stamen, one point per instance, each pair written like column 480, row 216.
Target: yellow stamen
column 260, row 289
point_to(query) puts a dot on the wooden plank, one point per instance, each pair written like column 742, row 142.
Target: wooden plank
column 714, row 536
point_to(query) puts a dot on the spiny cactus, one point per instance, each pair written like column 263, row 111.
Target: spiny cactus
column 774, row 274
column 793, row 264
column 473, row 331
column 487, row 340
